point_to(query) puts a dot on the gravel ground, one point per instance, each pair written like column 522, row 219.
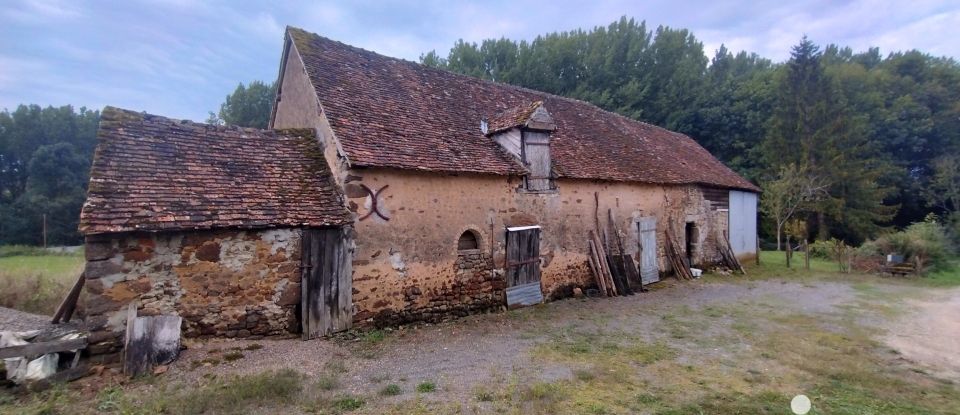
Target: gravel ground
column 464, row 354
column 16, row 320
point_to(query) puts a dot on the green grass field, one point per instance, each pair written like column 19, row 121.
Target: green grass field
column 773, row 264
column 37, row 283
column 67, row 266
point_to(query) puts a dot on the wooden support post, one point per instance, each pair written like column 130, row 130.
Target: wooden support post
column 758, row 249
column 788, row 251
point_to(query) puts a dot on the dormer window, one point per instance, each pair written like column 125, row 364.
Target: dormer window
column 524, row 132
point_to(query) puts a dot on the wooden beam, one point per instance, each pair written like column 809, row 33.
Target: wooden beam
column 69, row 303
column 39, row 349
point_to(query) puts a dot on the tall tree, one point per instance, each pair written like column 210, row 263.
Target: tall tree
column 812, row 127
column 45, row 158
column 247, row 106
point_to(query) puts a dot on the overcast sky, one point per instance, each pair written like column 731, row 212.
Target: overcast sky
column 179, row 58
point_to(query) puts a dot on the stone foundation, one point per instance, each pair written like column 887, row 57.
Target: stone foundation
column 475, row 287
column 223, row 283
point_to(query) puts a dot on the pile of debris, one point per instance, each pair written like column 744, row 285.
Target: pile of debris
column 47, row 355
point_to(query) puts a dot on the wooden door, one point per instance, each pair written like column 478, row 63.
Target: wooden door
column 649, row 269
column 536, row 155
column 523, row 266
column 326, row 302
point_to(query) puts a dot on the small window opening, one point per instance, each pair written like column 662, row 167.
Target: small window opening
column 468, row 240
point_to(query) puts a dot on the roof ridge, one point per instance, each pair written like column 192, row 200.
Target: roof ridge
column 484, row 81
column 109, row 111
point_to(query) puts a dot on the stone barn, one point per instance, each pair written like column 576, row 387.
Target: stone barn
column 444, row 173
column 387, row 192
column 213, row 224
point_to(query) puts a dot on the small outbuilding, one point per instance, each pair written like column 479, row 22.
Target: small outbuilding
column 229, row 228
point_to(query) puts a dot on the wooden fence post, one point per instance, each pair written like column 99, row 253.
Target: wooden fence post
column 789, row 251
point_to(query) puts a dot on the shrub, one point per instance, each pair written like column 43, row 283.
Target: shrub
column 425, row 387
column 391, row 390
column 923, row 243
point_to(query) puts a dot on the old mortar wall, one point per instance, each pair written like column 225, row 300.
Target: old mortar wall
column 415, row 251
column 299, row 108
column 225, row 283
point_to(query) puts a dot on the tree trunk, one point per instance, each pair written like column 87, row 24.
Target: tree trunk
column 779, row 228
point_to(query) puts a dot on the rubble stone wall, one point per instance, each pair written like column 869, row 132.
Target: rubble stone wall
column 228, row 283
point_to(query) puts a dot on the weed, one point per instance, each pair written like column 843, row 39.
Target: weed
column 232, row 356
column 391, row 390
column 347, row 403
column 374, row 336
column 328, row 381
column 108, row 399
column 483, row 395
column 254, row 346
column 426, row 387
column 583, row 375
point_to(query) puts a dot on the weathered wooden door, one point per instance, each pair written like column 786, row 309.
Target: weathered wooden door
column 326, row 284
column 536, row 155
column 649, row 269
column 523, row 266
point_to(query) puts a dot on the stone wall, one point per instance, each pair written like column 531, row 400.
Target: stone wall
column 223, row 283
column 475, row 287
column 408, row 256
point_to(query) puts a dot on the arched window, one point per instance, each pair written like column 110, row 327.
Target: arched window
column 468, row 240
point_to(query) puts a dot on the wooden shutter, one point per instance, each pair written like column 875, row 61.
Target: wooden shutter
column 536, row 156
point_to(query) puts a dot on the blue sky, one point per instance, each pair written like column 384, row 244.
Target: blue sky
column 179, row 58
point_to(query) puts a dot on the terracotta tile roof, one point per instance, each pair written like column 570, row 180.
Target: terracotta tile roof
column 153, row 173
column 512, row 117
column 389, row 112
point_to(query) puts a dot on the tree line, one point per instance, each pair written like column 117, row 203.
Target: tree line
column 45, row 157
column 877, row 133
column 877, row 137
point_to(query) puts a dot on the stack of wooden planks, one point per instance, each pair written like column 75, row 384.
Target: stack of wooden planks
column 726, row 253
column 614, row 270
column 675, row 256
column 600, row 266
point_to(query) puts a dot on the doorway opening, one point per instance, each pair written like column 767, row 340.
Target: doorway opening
column 693, row 236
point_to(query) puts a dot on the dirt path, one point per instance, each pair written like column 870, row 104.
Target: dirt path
column 930, row 334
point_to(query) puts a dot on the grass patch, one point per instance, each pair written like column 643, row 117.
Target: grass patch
column 426, row 387
column 949, row 276
column 391, row 390
column 37, row 284
column 347, row 403
column 328, row 381
column 254, row 346
column 233, row 355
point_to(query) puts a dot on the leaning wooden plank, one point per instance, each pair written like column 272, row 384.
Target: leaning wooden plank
column 39, row 349
column 154, row 340
column 65, row 310
column 624, row 280
column 606, row 266
column 595, row 268
column 633, row 276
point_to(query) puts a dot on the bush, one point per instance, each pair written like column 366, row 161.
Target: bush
column 827, row 249
column 925, row 244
